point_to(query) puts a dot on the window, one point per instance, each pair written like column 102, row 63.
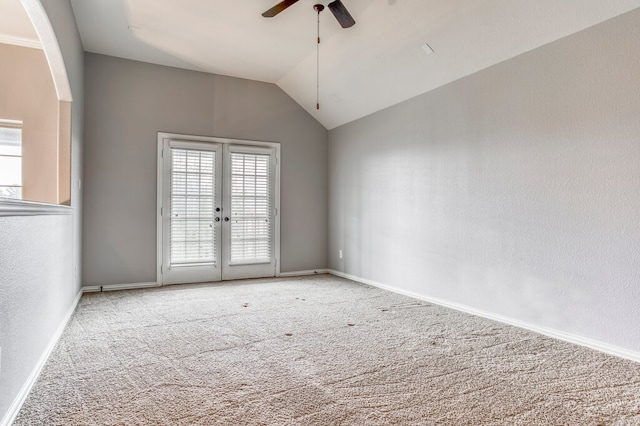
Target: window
column 250, row 208
column 192, row 233
column 11, row 159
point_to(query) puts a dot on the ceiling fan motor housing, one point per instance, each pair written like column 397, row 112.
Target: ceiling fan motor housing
column 337, row 8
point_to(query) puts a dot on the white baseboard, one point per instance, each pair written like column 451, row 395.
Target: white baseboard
column 114, row 287
column 302, row 273
column 13, row 411
column 550, row 332
column 132, row 286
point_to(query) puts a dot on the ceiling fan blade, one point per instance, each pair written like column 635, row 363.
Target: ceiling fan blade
column 278, row 8
column 341, row 13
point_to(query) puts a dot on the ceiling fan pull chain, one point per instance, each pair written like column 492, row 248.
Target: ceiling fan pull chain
column 339, row 11
column 318, row 63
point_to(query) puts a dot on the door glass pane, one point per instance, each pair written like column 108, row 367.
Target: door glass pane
column 250, row 208
column 191, row 227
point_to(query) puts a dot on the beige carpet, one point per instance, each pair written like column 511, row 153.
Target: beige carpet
column 315, row 351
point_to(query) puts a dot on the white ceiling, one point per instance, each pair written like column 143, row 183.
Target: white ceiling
column 373, row 65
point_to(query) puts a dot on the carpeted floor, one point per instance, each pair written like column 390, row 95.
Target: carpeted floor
column 315, row 351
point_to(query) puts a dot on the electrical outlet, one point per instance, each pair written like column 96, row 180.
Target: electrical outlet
column 340, row 254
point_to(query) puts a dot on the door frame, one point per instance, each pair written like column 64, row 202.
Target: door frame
column 162, row 137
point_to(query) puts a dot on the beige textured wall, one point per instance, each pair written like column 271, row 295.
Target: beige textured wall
column 27, row 93
column 64, row 153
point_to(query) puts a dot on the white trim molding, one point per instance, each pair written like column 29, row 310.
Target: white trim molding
column 14, row 409
column 20, row 41
column 303, row 273
column 550, row 332
column 115, row 287
column 9, row 207
column 51, row 48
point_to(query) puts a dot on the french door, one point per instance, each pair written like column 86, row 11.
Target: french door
column 217, row 209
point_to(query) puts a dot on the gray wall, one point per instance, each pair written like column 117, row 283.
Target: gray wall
column 38, row 254
column 513, row 191
column 128, row 102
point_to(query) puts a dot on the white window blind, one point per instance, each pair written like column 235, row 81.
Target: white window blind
column 192, row 232
column 250, row 208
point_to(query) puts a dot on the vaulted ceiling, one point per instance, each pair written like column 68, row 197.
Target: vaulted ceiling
column 375, row 64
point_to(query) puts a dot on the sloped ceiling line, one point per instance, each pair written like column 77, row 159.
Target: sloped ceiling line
column 374, row 64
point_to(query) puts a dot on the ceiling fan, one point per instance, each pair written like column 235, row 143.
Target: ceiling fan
column 336, row 7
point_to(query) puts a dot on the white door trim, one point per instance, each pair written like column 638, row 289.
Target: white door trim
column 162, row 136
